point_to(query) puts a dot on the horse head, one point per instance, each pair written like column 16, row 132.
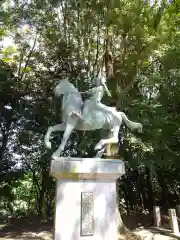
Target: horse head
column 64, row 87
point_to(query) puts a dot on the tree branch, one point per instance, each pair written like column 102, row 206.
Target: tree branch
column 29, row 56
column 97, row 46
column 20, row 63
column 171, row 151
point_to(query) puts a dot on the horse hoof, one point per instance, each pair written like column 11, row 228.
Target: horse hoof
column 48, row 145
column 55, row 157
column 98, row 146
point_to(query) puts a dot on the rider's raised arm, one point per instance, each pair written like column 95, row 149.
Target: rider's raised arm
column 83, row 92
column 107, row 90
column 92, row 90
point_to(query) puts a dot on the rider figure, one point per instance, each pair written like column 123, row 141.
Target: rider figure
column 97, row 94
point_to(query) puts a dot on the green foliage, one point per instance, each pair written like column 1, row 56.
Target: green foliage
column 143, row 39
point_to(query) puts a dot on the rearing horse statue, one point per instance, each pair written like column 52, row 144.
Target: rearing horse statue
column 87, row 116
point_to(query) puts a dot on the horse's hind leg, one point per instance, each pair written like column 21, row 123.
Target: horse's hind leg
column 55, row 128
column 71, row 124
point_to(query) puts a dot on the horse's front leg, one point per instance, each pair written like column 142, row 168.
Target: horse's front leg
column 71, row 124
column 55, row 128
column 113, row 139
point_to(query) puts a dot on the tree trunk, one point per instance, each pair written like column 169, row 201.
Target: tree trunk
column 41, row 197
column 122, row 229
column 164, row 191
column 139, row 188
column 150, row 190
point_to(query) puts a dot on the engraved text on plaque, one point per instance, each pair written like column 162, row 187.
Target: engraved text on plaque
column 87, row 218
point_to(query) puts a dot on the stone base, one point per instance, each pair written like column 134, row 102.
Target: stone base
column 86, row 198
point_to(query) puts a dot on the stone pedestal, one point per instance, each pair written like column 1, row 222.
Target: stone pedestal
column 157, row 216
column 86, row 198
column 173, row 221
column 178, row 210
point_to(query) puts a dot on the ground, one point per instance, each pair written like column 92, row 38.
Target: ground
column 146, row 234
column 140, row 227
column 26, row 228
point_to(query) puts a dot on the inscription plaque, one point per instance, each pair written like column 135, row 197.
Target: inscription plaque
column 87, row 216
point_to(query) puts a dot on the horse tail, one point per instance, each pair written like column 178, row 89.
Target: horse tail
column 130, row 124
